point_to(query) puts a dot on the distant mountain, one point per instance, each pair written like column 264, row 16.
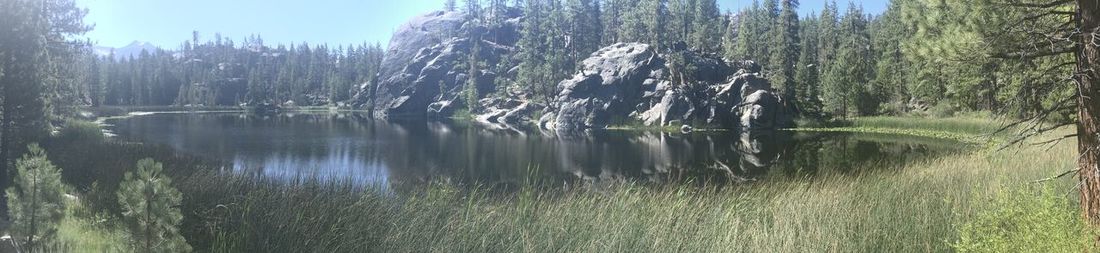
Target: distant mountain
column 132, row 50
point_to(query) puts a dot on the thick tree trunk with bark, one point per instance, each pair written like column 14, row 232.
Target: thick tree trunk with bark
column 6, row 137
column 1088, row 108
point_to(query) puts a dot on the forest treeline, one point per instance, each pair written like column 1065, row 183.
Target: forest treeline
column 928, row 56
column 222, row 72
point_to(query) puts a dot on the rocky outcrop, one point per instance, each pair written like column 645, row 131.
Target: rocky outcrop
column 609, row 87
column 506, row 112
column 631, row 82
column 425, row 70
column 425, row 74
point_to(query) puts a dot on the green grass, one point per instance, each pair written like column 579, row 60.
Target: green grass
column 85, row 231
column 965, row 138
column 972, row 125
column 974, row 129
column 1036, row 219
column 82, row 230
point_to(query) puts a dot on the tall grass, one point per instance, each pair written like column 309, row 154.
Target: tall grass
column 919, row 206
column 914, row 209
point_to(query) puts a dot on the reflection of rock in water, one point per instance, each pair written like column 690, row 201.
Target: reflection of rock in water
column 758, row 151
column 474, row 154
column 658, row 157
column 759, row 148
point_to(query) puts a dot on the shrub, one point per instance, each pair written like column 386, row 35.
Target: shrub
column 36, row 199
column 942, row 110
column 77, row 130
column 1026, row 220
column 151, row 209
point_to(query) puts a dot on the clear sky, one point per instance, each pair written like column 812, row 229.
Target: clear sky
column 167, row 23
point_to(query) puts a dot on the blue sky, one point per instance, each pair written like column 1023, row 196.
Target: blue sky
column 167, row 23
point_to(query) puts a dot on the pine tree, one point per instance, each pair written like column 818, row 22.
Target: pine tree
column 497, row 12
column 531, row 47
column 449, row 5
column 706, row 31
column 558, row 58
column 767, row 19
column 646, row 22
column 150, row 208
column 36, row 200
column 846, row 80
column 748, row 35
column 473, row 67
column 729, row 37
column 807, row 77
column 681, row 20
column 473, row 10
column 34, row 42
column 586, row 31
column 891, row 77
column 784, row 49
column 612, row 20
column 827, row 37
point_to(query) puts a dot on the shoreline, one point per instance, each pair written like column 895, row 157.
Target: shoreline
column 105, row 113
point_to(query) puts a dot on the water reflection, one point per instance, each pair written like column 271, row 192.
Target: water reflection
column 409, row 153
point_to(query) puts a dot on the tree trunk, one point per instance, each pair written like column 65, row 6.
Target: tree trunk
column 5, row 179
column 1088, row 108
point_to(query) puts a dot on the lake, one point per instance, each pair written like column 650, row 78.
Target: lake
column 389, row 154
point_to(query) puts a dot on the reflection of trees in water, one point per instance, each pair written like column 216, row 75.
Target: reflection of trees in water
column 463, row 154
column 851, row 154
column 406, row 154
column 514, row 158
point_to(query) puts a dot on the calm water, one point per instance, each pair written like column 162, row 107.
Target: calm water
column 348, row 146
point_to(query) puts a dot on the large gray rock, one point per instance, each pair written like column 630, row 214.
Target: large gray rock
column 506, row 110
column 608, row 87
column 632, row 82
column 758, row 106
column 424, row 70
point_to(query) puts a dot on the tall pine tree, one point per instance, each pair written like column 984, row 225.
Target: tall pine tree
column 807, row 78
column 34, row 43
column 748, row 35
column 784, row 49
column 706, row 32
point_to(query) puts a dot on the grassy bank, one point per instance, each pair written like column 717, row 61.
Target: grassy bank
column 973, row 129
column 924, row 206
column 972, row 124
column 980, row 200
